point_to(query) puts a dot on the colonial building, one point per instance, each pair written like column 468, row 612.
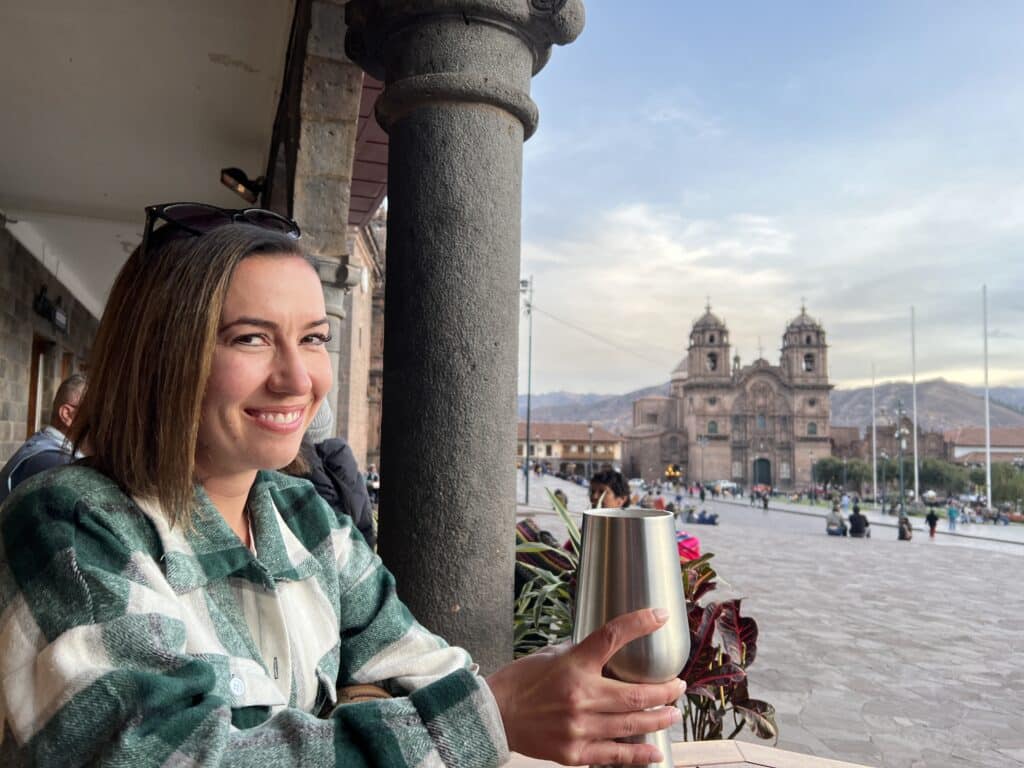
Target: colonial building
column 573, row 448
column 759, row 423
column 967, row 445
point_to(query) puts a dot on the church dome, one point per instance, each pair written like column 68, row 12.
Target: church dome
column 709, row 321
column 803, row 322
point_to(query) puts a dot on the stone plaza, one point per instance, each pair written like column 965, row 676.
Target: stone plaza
column 874, row 651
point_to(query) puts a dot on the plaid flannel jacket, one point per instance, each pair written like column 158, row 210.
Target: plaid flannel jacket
column 124, row 642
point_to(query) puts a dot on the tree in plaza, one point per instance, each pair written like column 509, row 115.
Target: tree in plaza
column 858, row 475
column 943, row 477
column 1007, row 484
column 977, row 476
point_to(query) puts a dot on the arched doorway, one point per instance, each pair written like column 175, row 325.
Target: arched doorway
column 762, row 472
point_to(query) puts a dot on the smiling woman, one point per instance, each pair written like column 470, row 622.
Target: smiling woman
column 175, row 599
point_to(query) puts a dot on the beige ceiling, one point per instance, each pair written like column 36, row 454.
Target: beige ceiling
column 107, row 106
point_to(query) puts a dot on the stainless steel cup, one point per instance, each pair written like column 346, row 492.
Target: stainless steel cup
column 629, row 561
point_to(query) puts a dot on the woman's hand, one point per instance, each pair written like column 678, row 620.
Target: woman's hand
column 556, row 705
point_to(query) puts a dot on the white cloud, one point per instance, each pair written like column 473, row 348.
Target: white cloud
column 639, row 274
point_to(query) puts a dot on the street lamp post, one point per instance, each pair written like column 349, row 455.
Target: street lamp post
column 885, row 460
column 900, row 437
column 526, row 289
column 590, row 462
column 844, row 474
column 702, row 441
column 814, row 490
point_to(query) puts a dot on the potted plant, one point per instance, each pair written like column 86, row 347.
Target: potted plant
column 723, row 642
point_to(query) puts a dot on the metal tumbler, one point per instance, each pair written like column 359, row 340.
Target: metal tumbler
column 629, row 560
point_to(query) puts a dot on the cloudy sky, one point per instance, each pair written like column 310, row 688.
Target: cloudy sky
column 866, row 156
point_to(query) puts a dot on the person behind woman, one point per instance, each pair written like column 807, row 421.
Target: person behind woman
column 330, row 466
column 175, row 599
column 609, row 488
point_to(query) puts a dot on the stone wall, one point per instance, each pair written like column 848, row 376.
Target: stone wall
column 21, row 276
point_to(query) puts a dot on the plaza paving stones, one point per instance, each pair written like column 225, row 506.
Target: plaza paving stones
column 878, row 651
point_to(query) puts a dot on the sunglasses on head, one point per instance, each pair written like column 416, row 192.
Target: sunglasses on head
column 199, row 218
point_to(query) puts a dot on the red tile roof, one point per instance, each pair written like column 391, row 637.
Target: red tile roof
column 1002, row 437
column 575, row 432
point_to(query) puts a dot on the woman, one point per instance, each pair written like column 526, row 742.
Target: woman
column 175, row 599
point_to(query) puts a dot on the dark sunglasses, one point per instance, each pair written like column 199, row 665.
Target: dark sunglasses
column 199, row 218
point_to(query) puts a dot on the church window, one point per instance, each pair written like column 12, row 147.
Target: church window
column 812, row 402
column 650, row 418
column 711, row 339
column 737, row 422
column 712, row 361
column 808, row 339
column 712, row 427
column 673, row 444
column 808, row 362
column 812, row 428
column 737, row 470
column 762, row 422
column 712, row 401
column 784, row 470
column 547, row 449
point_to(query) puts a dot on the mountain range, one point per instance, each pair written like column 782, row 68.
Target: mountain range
column 941, row 405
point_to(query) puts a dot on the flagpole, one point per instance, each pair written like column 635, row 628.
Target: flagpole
column 988, row 423
column 913, row 373
column 874, row 448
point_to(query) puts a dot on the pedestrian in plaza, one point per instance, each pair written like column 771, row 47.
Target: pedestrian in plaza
column 764, row 497
column 952, row 513
column 703, row 494
column 834, row 524
column 905, row 531
column 373, row 484
column 933, row 520
column 49, row 447
column 860, row 526
column 559, row 494
column 610, row 490
column 176, row 599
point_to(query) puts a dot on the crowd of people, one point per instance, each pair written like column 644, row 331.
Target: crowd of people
column 181, row 594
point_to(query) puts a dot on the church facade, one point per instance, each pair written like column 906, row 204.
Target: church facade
column 755, row 424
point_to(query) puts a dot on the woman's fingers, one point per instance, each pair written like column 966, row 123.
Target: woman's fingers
column 617, row 753
column 614, row 696
column 603, row 727
column 600, row 645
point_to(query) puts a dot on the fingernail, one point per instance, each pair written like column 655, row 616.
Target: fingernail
column 660, row 614
column 682, row 686
column 677, row 715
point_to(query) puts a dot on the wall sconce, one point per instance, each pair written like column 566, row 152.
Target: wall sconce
column 51, row 310
column 239, row 182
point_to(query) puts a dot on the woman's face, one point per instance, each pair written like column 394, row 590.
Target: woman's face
column 270, row 368
column 603, row 496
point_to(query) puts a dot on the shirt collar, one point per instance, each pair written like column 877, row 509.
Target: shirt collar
column 208, row 550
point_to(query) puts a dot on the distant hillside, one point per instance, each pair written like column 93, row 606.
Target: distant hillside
column 1009, row 396
column 613, row 412
column 941, row 405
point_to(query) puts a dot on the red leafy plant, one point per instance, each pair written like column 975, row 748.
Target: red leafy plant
column 723, row 644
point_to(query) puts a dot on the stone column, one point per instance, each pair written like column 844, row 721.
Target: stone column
column 457, row 109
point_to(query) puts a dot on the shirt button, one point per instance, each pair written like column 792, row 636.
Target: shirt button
column 236, row 685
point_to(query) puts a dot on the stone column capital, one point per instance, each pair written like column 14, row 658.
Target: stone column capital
column 476, row 51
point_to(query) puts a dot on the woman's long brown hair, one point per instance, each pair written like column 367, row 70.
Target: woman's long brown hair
column 139, row 419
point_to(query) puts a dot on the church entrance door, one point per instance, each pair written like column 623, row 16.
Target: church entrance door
column 762, row 472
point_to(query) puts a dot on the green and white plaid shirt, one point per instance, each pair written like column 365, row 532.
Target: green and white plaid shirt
column 124, row 642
